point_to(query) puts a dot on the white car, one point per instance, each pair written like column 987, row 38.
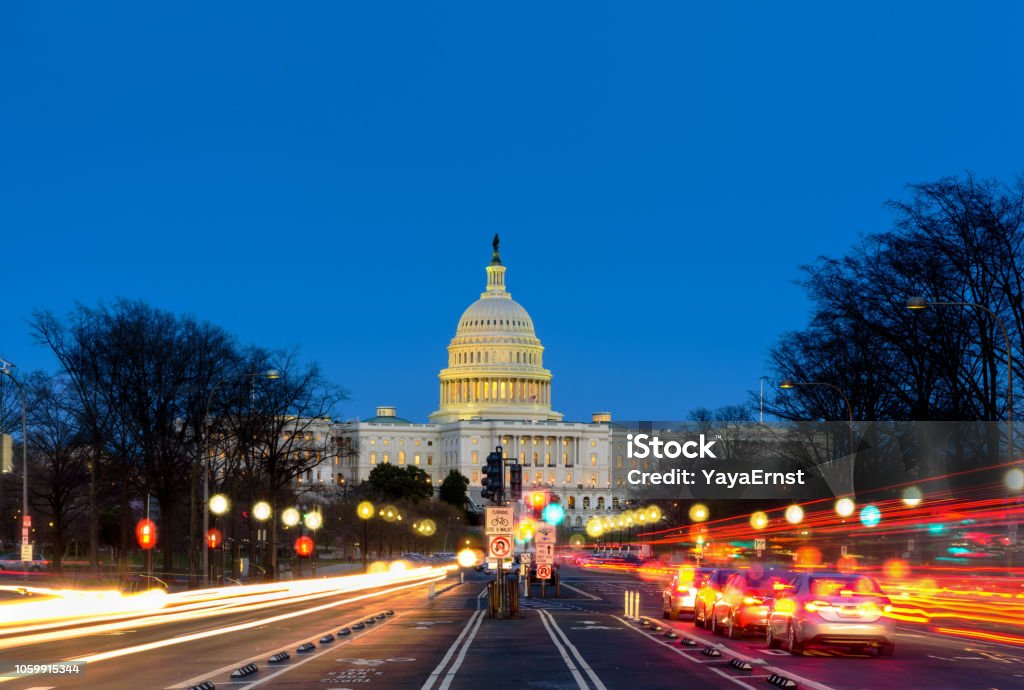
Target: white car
column 12, row 562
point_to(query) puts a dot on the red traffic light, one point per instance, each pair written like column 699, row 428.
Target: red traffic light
column 145, row 533
column 304, row 546
column 214, row 538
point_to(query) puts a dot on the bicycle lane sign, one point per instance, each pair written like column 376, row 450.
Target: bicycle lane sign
column 498, row 520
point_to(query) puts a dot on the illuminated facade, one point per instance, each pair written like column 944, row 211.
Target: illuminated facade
column 494, row 391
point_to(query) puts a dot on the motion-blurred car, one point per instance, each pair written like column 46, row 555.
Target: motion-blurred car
column 13, row 562
column 741, row 608
column 680, row 595
column 831, row 609
column 708, row 593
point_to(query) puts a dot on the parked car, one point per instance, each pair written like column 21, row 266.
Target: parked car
column 680, row 595
column 741, row 608
column 12, row 562
column 708, row 593
column 831, row 609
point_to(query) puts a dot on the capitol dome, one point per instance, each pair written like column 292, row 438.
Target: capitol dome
column 495, row 361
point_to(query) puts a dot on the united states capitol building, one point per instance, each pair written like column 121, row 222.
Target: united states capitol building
column 494, row 391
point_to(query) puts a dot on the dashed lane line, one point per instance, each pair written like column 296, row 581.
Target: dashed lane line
column 588, row 595
column 325, row 650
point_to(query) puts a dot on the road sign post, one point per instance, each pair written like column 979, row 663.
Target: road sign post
column 760, row 544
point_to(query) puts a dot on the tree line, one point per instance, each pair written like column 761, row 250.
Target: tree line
column 149, row 404
column 957, row 240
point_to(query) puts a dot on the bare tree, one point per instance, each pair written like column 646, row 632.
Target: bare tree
column 59, row 455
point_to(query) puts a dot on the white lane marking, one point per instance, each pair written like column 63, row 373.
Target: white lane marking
column 588, row 595
column 801, row 680
column 576, row 653
column 953, row 640
column 307, row 658
column 577, row 676
column 216, row 627
column 454, row 668
column 231, row 667
column 678, row 650
column 451, row 650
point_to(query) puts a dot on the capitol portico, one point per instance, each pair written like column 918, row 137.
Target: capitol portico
column 494, row 391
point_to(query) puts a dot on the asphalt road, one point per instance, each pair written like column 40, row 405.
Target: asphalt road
column 579, row 640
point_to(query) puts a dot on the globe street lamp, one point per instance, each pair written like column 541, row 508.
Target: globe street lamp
column 290, row 517
column 5, row 369
column 218, row 505
column 313, row 520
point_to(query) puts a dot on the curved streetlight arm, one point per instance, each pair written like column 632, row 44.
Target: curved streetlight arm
column 839, row 392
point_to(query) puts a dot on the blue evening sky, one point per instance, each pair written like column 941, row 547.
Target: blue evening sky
column 330, row 174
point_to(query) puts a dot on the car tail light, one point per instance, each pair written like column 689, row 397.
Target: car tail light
column 785, row 606
column 813, row 606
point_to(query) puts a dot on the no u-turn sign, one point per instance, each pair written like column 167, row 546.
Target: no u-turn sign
column 499, row 546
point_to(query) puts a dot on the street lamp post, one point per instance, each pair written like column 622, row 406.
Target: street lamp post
column 365, row 511
column 262, row 512
column 5, row 369
column 788, row 384
column 313, row 520
column 218, row 505
column 291, row 517
column 267, row 374
column 918, row 303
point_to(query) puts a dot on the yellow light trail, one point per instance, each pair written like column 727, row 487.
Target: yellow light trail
column 254, row 598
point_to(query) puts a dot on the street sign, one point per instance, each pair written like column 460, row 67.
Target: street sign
column 760, row 544
column 499, row 546
column 498, row 520
column 545, row 534
column 844, row 550
column 525, row 558
column 26, row 552
column 545, row 553
column 544, row 572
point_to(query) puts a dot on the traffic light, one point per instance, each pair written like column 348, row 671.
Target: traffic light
column 304, row 546
column 537, row 502
column 145, row 533
column 494, row 477
column 515, row 482
column 245, row 517
column 214, row 538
